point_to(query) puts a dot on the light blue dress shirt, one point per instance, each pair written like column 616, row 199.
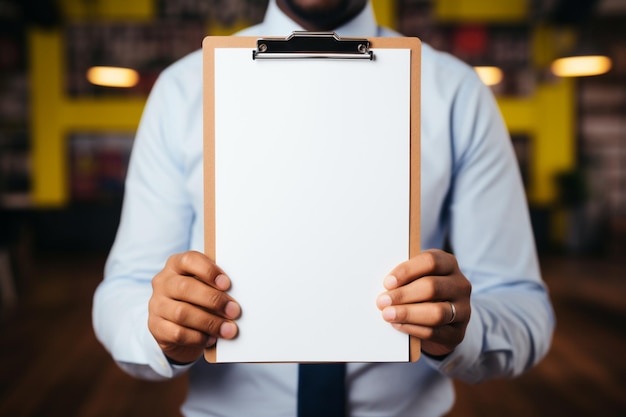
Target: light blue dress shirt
column 471, row 192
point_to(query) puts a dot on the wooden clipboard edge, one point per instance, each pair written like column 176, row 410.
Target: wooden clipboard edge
column 208, row 45
column 208, row 81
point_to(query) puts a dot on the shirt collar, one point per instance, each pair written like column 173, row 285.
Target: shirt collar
column 277, row 23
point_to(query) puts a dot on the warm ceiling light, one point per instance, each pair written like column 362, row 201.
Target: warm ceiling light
column 489, row 75
column 113, row 76
column 581, row 66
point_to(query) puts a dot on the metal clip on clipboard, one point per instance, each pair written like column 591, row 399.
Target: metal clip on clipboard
column 316, row 45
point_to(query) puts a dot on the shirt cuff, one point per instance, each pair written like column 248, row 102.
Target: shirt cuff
column 158, row 361
column 463, row 358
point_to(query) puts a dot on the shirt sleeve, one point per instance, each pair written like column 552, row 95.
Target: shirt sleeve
column 512, row 321
column 155, row 223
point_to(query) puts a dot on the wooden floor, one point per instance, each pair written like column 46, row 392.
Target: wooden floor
column 51, row 364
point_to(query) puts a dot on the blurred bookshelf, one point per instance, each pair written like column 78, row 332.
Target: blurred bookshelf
column 147, row 47
column 98, row 166
column 602, row 136
column 15, row 167
column 506, row 45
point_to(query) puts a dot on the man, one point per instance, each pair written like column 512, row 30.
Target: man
column 156, row 320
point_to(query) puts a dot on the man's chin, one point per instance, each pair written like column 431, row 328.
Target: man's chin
column 320, row 15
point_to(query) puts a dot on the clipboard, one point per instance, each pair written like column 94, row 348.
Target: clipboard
column 299, row 51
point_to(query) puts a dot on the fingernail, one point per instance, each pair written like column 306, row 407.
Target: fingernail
column 389, row 314
column 228, row 330
column 390, row 282
column 222, row 282
column 384, row 300
column 211, row 341
column 232, row 310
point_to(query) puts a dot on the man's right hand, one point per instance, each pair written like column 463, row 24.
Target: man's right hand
column 189, row 308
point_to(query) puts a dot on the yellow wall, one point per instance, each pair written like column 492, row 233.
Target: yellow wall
column 385, row 11
column 108, row 9
column 548, row 118
column 501, row 11
column 54, row 116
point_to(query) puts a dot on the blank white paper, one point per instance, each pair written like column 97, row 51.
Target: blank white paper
column 312, row 202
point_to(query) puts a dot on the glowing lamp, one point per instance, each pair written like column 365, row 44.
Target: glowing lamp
column 113, row 77
column 581, row 66
column 489, row 75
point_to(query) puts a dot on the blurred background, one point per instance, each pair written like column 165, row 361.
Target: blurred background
column 66, row 133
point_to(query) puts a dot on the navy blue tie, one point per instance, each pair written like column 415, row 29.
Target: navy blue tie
column 321, row 390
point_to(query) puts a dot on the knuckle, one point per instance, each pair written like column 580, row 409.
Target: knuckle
column 430, row 261
column 179, row 314
column 430, row 289
column 186, row 258
column 152, row 305
column 400, row 271
column 153, row 325
column 177, row 335
column 182, row 286
column 401, row 314
column 453, row 260
column 397, row 296
column 173, row 260
column 215, row 300
column 157, row 281
column 467, row 287
column 213, row 325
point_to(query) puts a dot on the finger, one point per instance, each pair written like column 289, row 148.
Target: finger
column 194, row 318
column 196, row 264
column 431, row 262
column 424, row 289
column 423, row 314
column 171, row 335
column 190, row 290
